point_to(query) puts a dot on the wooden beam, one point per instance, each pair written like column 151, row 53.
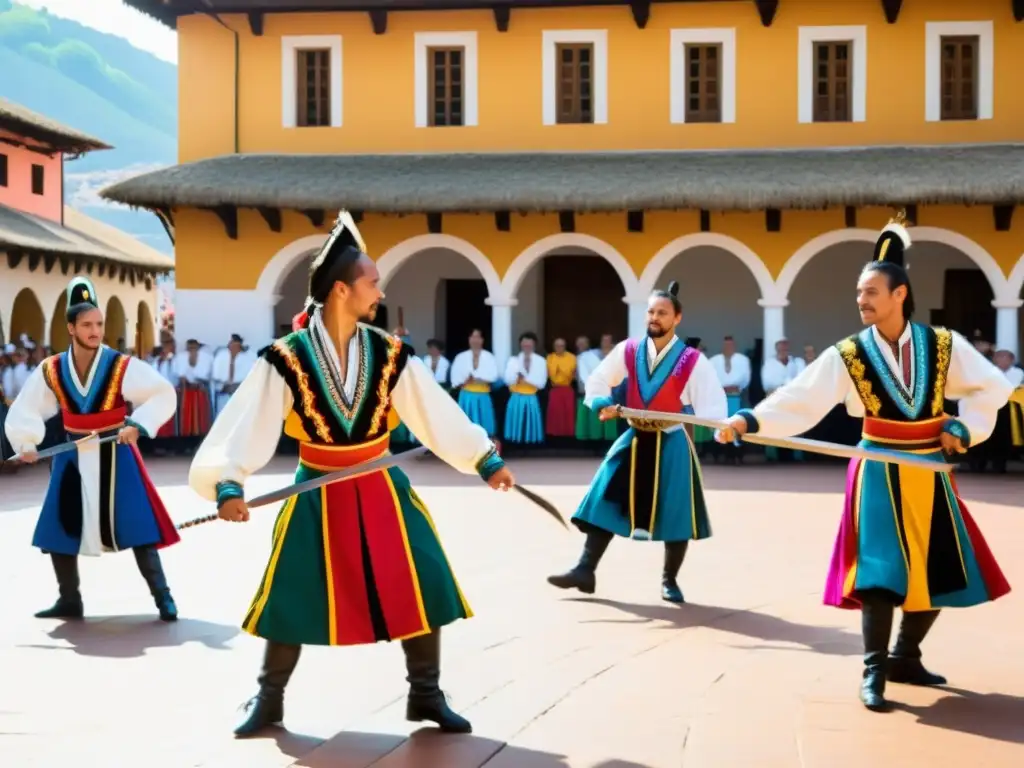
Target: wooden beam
column 1018, row 9
column 705, row 221
column 256, row 23
column 635, row 221
column 316, row 218
column 273, row 218
column 14, row 259
column 503, row 221
column 892, row 9
column 434, row 222
column 851, row 217
column 641, row 10
column 166, row 218
column 65, row 265
column 228, row 216
column 379, row 21
column 502, row 17
column 1003, row 216
column 767, row 9
column 357, row 216
column 773, row 220
column 911, row 214
column 567, row 221
column 48, row 263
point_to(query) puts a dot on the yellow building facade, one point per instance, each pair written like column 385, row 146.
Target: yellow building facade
column 750, row 150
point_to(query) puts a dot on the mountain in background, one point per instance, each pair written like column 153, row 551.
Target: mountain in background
column 104, row 86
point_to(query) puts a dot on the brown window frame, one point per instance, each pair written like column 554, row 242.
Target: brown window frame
column 442, row 105
column 317, row 104
column 832, row 107
column 705, row 87
column 38, row 179
column 571, row 107
column 958, row 106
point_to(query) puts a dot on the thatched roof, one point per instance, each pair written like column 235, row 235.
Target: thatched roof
column 24, row 122
column 584, row 182
column 81, row 237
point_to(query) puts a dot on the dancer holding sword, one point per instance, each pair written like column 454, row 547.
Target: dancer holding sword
column 906, row 538
column 100, row 498
column 352, row 562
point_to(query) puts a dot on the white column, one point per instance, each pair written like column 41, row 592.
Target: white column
column 501, row 329
column 774, row 323
column 47, row 327
column 637, row 316
column 1007, row 332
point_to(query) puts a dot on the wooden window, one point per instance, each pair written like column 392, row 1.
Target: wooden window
column 959, row 68
column 3, row 170
column 313, row 85
column 37, row 180
column 447, row 85
column 703, row 83
column 832, row 98
column 575, row 85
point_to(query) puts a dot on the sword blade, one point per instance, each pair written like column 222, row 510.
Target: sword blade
column 377, row 465
column 543, row 503
column 64, row 447
column 799, row 443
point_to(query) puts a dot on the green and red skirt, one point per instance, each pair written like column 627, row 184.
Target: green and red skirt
column 354, row 562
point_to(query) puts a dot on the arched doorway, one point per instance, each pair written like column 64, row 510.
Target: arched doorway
column 145, row 338
column 115, row 324
column 60, row 340
column 27, row 317
column 578, row 288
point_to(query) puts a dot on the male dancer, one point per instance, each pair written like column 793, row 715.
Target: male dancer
column 359, row 561
column 906, row 539
column 100, row 498
column 649, row 486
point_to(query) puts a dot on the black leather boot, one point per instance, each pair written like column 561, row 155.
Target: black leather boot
column 426, row 699
column 582, row 576
column 266, row 708
column 905, row 662
column 152, row 570
column 69, row 603
column 675, row 552
column 876, row 626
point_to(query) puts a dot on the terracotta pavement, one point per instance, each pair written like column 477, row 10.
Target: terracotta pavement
column 753, row 671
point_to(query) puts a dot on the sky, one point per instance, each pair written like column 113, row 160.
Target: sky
column 115, row 17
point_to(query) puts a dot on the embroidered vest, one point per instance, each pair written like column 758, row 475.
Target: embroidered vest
column 661, row 389
column 103, row 400
column 882, row 394
column 320, row 413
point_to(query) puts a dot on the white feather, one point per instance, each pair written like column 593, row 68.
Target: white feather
column 900, row 232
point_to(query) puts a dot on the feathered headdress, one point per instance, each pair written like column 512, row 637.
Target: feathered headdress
column 344, row 234
column 893, row 240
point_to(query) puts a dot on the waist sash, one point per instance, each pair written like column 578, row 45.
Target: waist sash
column 328, row 458
column 910, row 436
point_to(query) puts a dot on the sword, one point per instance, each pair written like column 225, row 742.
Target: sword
column 69, row 446
column 796, row 443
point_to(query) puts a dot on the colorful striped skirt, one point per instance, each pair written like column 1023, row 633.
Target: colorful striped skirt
column 907, row 531
column 354, row 562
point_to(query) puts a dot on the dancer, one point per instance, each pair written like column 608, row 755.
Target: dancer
column 649, row 486
column 100, row 498
column 359, row 561
column 906, row 538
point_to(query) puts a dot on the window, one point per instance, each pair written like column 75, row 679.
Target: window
column 575, row 71
column 832, row 74
column 958, row 73
column 311, row 81
column 703, row 83
column 832, row 82
column 447, row 85
column 37, row 179
column 3, row 170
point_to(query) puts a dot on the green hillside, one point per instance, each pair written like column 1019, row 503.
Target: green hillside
column 100, row 84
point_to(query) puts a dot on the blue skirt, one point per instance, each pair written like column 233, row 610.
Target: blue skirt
column 480, row 410
column 97, row 501
column 523, row 420
column 650, row 481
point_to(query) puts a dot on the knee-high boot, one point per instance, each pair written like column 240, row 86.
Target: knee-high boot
column 876, row 626
column 426, row 699
column 69, row 601
column 582, row 576
column 675, row 552
column 905, row 662
column 152, row 570
column 267, row 706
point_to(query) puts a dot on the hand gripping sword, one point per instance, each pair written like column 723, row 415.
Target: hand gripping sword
column 795, row 443
column 68, row 446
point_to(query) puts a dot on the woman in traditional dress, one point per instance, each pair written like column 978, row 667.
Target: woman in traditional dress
column 526, row 374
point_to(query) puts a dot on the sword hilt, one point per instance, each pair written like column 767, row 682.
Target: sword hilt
column 197, row 521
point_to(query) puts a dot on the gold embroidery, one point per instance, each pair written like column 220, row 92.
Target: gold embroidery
column 943, row 349
column 383, row 393
column 308, row 399
column 114, row 388
column 855, row 367
column 51, row 372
